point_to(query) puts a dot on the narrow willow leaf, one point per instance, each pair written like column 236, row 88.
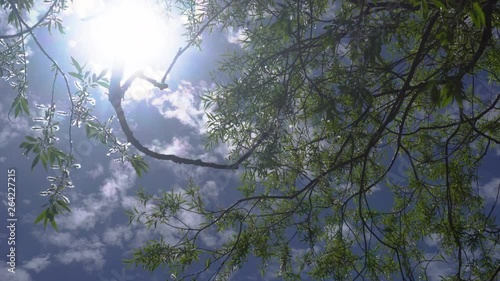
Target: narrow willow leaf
column 40, row 216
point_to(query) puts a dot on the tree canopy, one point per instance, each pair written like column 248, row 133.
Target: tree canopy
column 359, row 129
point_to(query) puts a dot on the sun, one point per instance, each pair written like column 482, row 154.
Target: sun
column 137, row 33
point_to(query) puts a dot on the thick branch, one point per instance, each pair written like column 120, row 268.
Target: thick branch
column 485, row 39
column 116, row 93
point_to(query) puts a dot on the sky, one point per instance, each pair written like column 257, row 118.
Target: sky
column 94, row 239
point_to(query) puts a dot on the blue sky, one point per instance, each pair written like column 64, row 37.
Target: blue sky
column 95, row 238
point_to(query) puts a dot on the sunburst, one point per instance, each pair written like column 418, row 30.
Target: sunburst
column 136, row 33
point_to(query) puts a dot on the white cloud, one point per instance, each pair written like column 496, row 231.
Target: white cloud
column 489, row 190
column 211, row 190
column 122, row 178
column 190, row 219
column 60, row 239
column 89, row 252
column 98, row 171
column 117, row 235
column 432, row 240
column 128, row 202
column 140, row 90
column 91, row 210
column 79, row 218
column 5, row 26
column 7, row 134
column 236, row 36
column 179, row 146
column 20, row 275
column 182, row 104
column 38, row 264
column 94, row 208
column 11, row 130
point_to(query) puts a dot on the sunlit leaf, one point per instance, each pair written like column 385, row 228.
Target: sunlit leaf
column 76, row 64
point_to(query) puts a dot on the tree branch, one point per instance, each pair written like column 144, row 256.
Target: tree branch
column 29, row 29
column 116, row 93
column 192, row 40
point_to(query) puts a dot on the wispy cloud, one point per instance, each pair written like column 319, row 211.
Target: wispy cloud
column 490, row 190
column 182, row 104
column 5, row 26
column 97, row 207
column 432, row 240
column 98, row 171
column 88, row 252
column 117, row 235
column 37, row 264
column 122, row 178
column 236, row 36
column 11, row 130
column 60, row 239
column 179, row 146
column 80, row 217
column 211, row 190
column 20, row 275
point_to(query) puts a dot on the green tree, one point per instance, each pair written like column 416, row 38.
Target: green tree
column 323, row 103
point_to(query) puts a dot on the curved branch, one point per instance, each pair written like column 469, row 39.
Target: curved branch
column 116, row 93
column 29, row 29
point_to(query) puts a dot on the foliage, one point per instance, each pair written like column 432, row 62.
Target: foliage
column 328, row 99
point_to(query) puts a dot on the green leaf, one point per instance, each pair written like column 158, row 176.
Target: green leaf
column 43, row 157
column 24, row 104
column 40, row 216
column 60, row 27
column 64, row 205
column 76, row 64
column 103, row 84
column 425, row 8
column 101, row 75
column 55, row 211
column 90, row 131
column 446, row 96
column 76, row 75
column 139, row 165
column 18, row 110
column 480, row 19
column 51, row 155
column 35, row 161
column 48, row 215
column 458, row 96
column 439, row 4
column 54, row 224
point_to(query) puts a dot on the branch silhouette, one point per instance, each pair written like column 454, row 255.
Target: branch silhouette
column 116, row 94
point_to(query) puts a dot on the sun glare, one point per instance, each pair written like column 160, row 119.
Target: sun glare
column 134, row 32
